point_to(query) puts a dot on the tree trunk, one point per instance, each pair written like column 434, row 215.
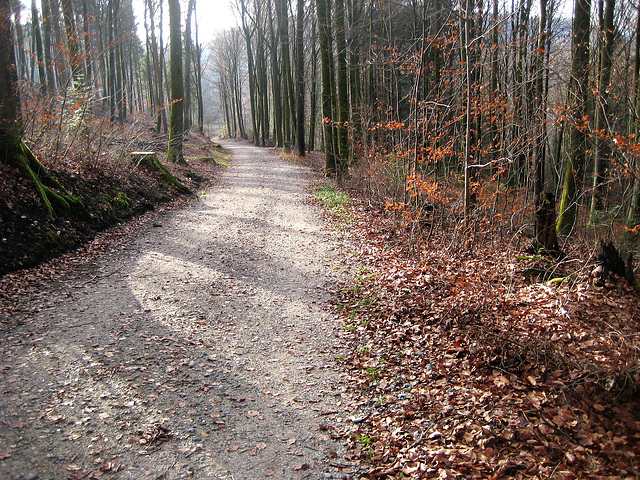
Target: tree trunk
column 578, row 96
column 343, row 91
column 602, row 106
column 300, row 78
column 10, row 112
column 162, row 112
column 251, row 73
column 545, row 223
column 314, row 91
column 46, row 44
column 539, row 149
column 198, row 72
column 187, row 68
column 286, row 76
column 112, row 81
column 75, row 60
column 275, row 83
column 327, row 85
column 176, row 113
column 20, row 48
column 88, row 60
column 634, row 207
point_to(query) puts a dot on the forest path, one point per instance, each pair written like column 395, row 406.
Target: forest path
column 200, row 349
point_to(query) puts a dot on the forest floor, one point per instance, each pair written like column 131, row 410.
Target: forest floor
column 199, row 342
column 471, row 358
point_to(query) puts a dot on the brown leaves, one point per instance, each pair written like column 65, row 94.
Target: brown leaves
column 471, row 371
column 153, row 434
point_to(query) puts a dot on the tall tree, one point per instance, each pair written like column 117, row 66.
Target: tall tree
column 187, row 67
column 46, row 44
column 326, row 46
column 343, row 89
column 602, row 104
column 578, row 98
column 633, row 212
column 42, row 76
column 176, row 113
column 539, row 149
column 73, row 44
column 157, row 64
column 300, row 78
column 198, row 79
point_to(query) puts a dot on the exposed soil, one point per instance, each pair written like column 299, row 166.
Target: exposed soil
column 199, row 347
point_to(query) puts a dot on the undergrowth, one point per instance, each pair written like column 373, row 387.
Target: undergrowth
column 489, row 369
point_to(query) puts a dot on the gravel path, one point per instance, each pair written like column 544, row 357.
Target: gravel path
column 202, row 348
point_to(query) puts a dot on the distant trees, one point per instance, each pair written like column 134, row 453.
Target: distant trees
column 406, row 98
column 413, row 95
column 90, row 49
column 75, row 67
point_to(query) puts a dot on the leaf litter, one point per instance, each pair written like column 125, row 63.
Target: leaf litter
column 463, row 368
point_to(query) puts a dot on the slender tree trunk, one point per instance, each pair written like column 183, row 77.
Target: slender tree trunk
column 354, row 73
column 343, row 91
column 578, row 96
column 75, row 59
column 62, row 65
column 162, row 112
column 275, row 83
column 633, row 213
column 539, row 150
column 467, row 135
column 121, row 79
column 113, row 84
column 248, row 34
column 88, row 60
column 187, row 68
column 176, row 113
column 263, row 89
column 19, row 47
column 198, row 71
column 327, row 85
column 314, row 93
column 300, row 78
column 46, row 43
column 39, row 50
column 602, row 106
column 286, row 76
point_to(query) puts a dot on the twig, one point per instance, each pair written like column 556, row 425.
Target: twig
column 97, row 276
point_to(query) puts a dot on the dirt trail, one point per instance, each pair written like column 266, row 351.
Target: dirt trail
column 200, row 349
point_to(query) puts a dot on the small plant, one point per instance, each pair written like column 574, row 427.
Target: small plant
column 374, row 372
column 363, row 439
column 334, row 200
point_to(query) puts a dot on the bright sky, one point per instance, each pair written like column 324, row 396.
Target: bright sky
column 212, row 16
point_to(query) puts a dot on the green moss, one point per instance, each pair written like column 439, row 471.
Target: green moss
column 223, row 159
